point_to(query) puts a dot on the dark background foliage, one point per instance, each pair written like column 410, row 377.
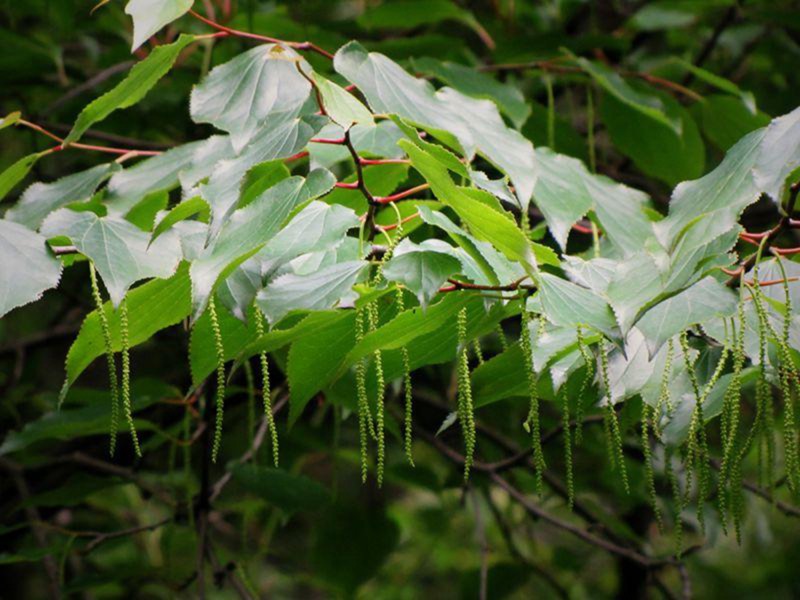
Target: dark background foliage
column 311, row 529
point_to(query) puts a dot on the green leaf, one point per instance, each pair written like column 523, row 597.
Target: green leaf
column 288, row 492
column 277, row 338
column 721, row 194
column 410, row 14
column 478, row 252
column 41, row 199
column 17, row 172
column 92, row 419
column 206, row 156
column 240, row 94
column 311, row 364
column 725, row 120
column 314, row 238
column 185, row 210
column 489, row 225
column 506, row 148
column 568, row 305
column 499, row 377
column 341, row 106
column 139, row 81
column 779, row 155
column 669, row 153
column 422, row 268
column 316, row 228
column 202, row 345
column 703, row 301
column 152, row 307
column 281, row 136
column 412, row 99
column 648, row 105
column 326, row 288
column 725, row 85
column 27, row 267
column 408, row 326
column 475, row 123
column 120, row 250
column 249, row 228
column 158, row 173
column 472, row 82
column 10, row 119
column 149, row 16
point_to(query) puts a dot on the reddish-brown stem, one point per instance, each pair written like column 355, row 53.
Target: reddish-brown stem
column 550, row 66
column 62, row 146
column 772, row 281
column 262, row 38
column 347, row 185
column 334, row 141
column 402, row 221
column 786, row 251
column 401, row 195
column 297, row 156
column 581, row 228
column 383, row 161
column 464, row 285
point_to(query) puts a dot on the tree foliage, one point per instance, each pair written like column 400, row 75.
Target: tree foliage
column 521, row 268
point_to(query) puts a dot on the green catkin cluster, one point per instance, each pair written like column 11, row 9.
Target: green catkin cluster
column 664, row 396
column 588, row 360
column 501, row 335
column 567, row 447
column 611, row 423
column 788, row 374
column 532, row 422
column 266, row 391
column 476, row 347
column 219, row 398
column 678, row 498
column 731, row 410
column 365, row 426
column 380, row 430
column 407, row 390
column 763, row 423
column 697, row 449
column 126, row 375
column 465, row 406
column 251, row 401
column 112, row 365
column 647, row 415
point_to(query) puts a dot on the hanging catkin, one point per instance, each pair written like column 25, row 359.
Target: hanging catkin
column 664, row 396
column 532, row 421
column 266, row 390
column 648, row 464
column 732, row 408
column 678, row 498
column 365, row 425
column 613, row 433
column 380, row 430
column 588, row 360
column 465, row 405
column 762, row 425
column 407, row 390
column 112, row 365
column 126, row 374
column 788, row 374
column 219, row 398
column 568, row 466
